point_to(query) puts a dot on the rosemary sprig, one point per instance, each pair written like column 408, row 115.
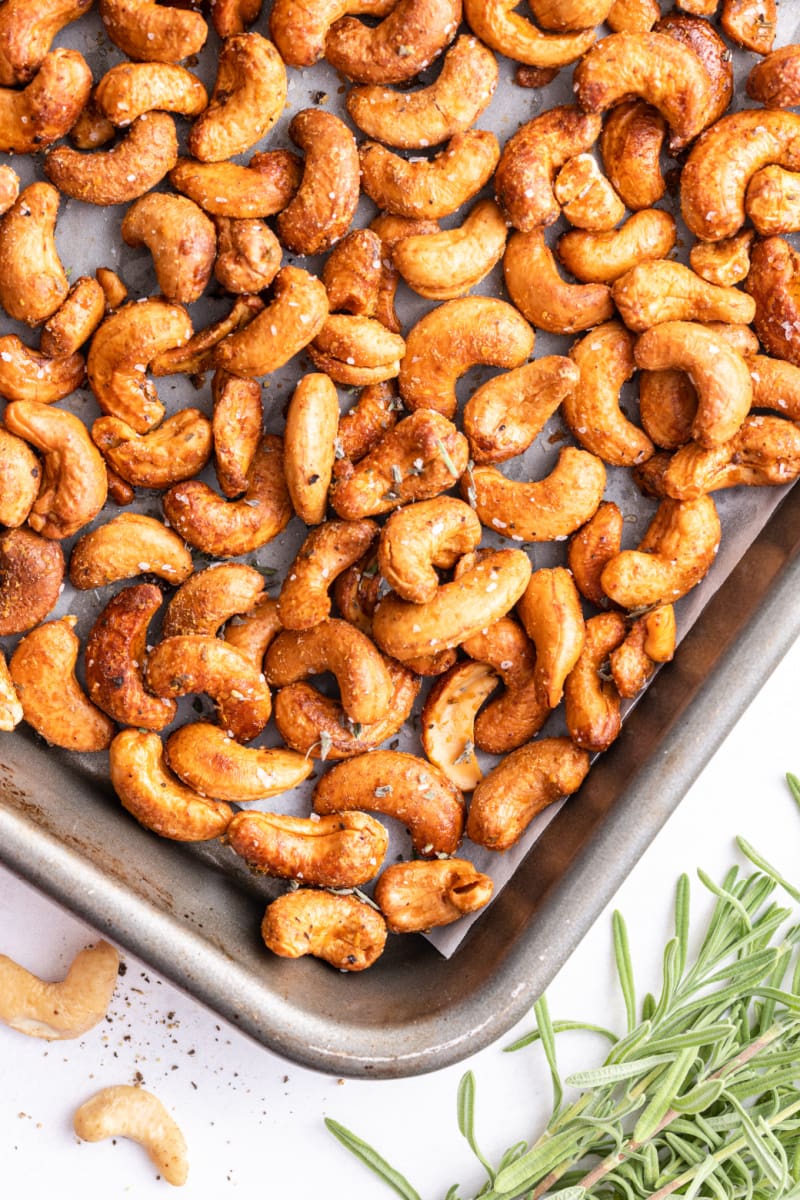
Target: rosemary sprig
column 700, row 1097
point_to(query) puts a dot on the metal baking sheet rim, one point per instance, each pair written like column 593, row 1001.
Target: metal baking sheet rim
column 513, row 953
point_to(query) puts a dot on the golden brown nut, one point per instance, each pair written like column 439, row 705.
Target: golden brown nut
column 196, row 356
column 509, row 33
column 773, row 282
column 356, row 351
column 115, row 655
column 720, row 374
column 526, row 782
column 540, row 293
column 148, row 151
column 236, row 428
column 459, row 609
column 701, row 37
column 205, row 602
column 634, row 16
column 765, row 452
column 420, row 458
column 587, row 199
column 48, row 107
column 362, row 426
column 443, row 265
column 248, row 97
column 74, row 486
column 772, row 201
column 550, row 610
column 27, row 32
column 92, row 129
column 776, row 385
column 197, row 663
column 649, row 641
column 432, row 533
column 676, row 552
column 519, row 712
column 594, row 545
column 293, row 319
column 353, row 272
column 299, row 30
column 226, row 529
column 128, row 545
column 229, row 190
column 592, row 703
column 658, row 291
column 399, row 47
column 570, row 14
column 603, row 257
column 592, row 410
column 31, row 579
column 66, row 1009
column 248, row 255
column 43, row 670
column 127, row 1111
column 327, row 551
column 339, row 851
column 150, row 32
column 750, row 23
column 74, row 322
column 454, row 337
column 129, row 90
column 9, row 187
column 153, row 795
column 448, row 721
column 323, row 207
column 181, row 239
column 252, row 632
column 342, row 930
column 233, row 16
column 429, row 188
column 504, row 416
column 20, row 475
column 114, row 289
column 630, row 146
column 667, row 406
column 27, row 374
column 32, row 280
column 178, row 449
column 308, row 446
column 213, row 764
column 401, row 786
column 391, row 230
column 723, row 263
column 545, row 511
column 415, row 896
column 775, row 81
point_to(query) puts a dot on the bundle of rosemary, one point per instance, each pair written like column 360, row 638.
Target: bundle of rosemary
column 700, row 1097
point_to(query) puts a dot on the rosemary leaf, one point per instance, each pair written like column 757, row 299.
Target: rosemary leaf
column 622, row 954
column 547, row 1033
column 603, row 1076
column 465, row 1109
column 373, row 1160
column 561, row 1027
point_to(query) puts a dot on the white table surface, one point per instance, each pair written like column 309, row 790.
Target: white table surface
column 254, row 1122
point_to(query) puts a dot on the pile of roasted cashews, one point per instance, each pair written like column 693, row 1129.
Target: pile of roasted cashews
column 394, row 581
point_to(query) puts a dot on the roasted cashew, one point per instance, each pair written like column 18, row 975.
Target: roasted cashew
column 323, row 207
column 129, row 90
column 716, row 174
column 420, row 458
column 458, row 610
column 776, row 384
column 226, row 529
column 401, row 786
column 603, row 257
column 454, row 337
column 353, row 273
column 723, row 263
column 764, row 452
column 248, row 255
column 667, row 407
column 357, row 351
column 66, row 1009
column 131, row 1112
column 516, row 715
column 658, row 291
column 195, row 357
column 338, row 851
column 701, row 37
column 719, row 374
column 391, row 230
column 252, row 632
column 148, row 151
column 27, row 374
column 429, row 188
column 152, row 794
column 775, row 81
column 233, row 16
column 630, row 146
column 591, row 702
column 27, row 32
column 654, row 66
column 293, row 319
column 550, row 610
column 416, row 896
column 327, row 551
column 504, row 416
column 32, row 280
column 48, row 107
column 405, row 42
column 9, row 187
column 299, row 29
column 205, row 602
column 308, row 446
column 236, row 428
column 594, row 545
column 197, row 663
column 115, row 655
column 342, row 930
column 443, row 265
column 540, row 293
column 31, row 579
column 178, row 449
column 433, row 533
column 361, row 428
column 587, row 199
column 248, row 97
column 525, row 782
column 649, row 641
column 531, row 160
column 634, row 16
column 772, row 201
column 149, row 32
column 74, row 486
column 43, row 670
column 545, row 511
column 75, row 320
column 773, row 283
column 750, row 23
column 92, row 129
column 229, row 190
column 123, row 347
column 128, row 545
column 509, row 33
column 213, row 764
column 676, row 552
column 566, row 15
column 20, row 475
column 317, row 727
column 181, row 239
column 448, row 721
column 592, row 410
column 114, row 289
column 450, row 105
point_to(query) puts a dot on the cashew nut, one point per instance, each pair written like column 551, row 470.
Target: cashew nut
column 701, row 37
column 31, row 579
column 550, row 610
column 399, row 47
column 48, row 107
column 362, row 426
column 750, row 23
column 299, row 30
column 32, row 280
column 19, row 479
column 327, row 551
column 667, row 407
column 772, row 283
column 519, row 712
column 570, row 14
column 196, row 356
column 10, row 708
column 416, row 896
column 66, row 1009
column 181, row 239
column 353, row 274
column 43, row 670
column 649, row 641
column 509, row 33
column 150, row 32
column 205, row 602
column 114, row 289
column 594, row 545
column 764, row 452
column 429, row 188
column 9, row 187
column 592, row 410
column 772, row 201
column 75, row 320
column 308, row 447
column 293, row 319
column 603, row 257
column 27, row 32
column 129, row 90
column 207, row 760
column 776, row 384
column 320, row 212
column 775, row 81
column 125, row 546
column 334, row 852
column 592, row 703
column 391, row 230
column 248, row 255
column 233, row 16
column 542, row 296
column 357, row 351
column 448, row 721
column 630, row 146
column 131, row 1112
column 433, row 533
column 528, row 780
column 443, row 265
column 342, row 930
column 229, row 190
column 148, row 151
column 587, row 199
column 27, row 374
column 248, row 97
column 252, row 632
column 653, row 292
column 634, row 16
column 236, row 429
column 723, row 263
column 504, row 416
column 178, row 449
